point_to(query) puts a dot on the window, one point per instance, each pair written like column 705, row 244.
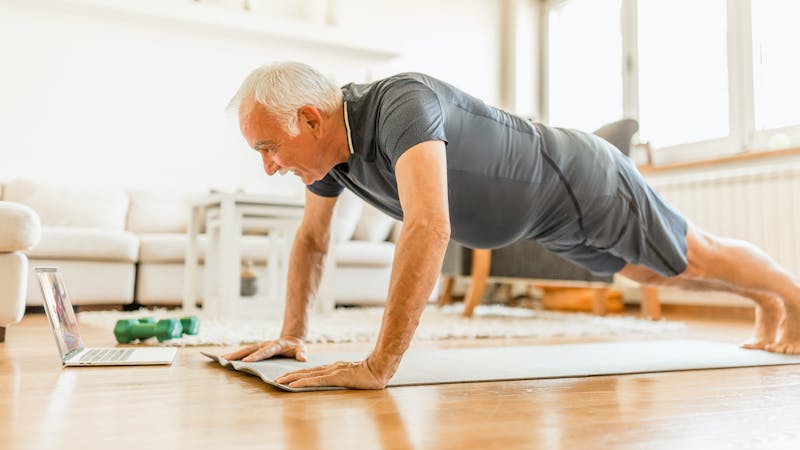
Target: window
column 585, row 68
column 683, row 72
column 775, row 70
column 704, row 78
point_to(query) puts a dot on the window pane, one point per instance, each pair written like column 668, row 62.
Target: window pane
column 775, row 70
column 683, row 72
column 585, row 66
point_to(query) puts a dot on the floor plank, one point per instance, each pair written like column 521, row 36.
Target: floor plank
column 195, row 404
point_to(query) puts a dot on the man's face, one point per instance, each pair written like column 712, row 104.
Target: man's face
column 281, row 153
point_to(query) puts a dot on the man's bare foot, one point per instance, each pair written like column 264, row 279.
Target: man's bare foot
column 789, row 341
column 769, row 315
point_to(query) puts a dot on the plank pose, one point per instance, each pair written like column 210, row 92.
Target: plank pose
column 450, row 166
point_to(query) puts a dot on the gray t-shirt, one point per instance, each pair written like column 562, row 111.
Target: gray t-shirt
column 504, row 184
column 492, row 163
column 507, row 178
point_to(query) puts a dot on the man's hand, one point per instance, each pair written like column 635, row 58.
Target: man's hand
column 284, row 346
column 353, row 375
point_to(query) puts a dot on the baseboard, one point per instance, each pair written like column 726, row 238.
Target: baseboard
column 705, row 312
column 669, row 296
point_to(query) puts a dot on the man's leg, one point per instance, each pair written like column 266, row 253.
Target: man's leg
column 769, row 308
column 736, row 266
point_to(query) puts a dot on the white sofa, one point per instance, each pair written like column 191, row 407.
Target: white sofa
column 120, row 247
column 19, row 231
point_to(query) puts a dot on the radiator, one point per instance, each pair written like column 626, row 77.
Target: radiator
column 758, row 204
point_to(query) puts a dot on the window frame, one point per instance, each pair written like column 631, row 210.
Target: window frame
column 743, row 136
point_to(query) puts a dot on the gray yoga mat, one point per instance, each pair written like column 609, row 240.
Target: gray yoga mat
column 435, row 366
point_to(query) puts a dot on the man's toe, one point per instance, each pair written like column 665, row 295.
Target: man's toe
column 754, row 345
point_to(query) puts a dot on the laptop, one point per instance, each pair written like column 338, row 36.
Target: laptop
column 68, row 338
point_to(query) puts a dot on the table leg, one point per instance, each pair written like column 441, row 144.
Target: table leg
column 481, row 261
column 599, row 306
column 228, row 276
column 446, row 291
column 651, row 307
column 211, row 279
column 190, row 269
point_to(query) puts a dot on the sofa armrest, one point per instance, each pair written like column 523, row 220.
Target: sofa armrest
column 21, row 227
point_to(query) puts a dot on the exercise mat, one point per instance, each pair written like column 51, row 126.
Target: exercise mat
column 436, row 366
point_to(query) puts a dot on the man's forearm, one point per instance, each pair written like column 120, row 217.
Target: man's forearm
column 417, row 262
column 306, row 264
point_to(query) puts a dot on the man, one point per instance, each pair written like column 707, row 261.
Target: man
column 449, row 165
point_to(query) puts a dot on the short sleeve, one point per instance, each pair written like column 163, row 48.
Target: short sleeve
column 409, row 114
column 326, row 187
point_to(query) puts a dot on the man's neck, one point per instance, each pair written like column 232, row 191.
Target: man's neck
column 339, row 139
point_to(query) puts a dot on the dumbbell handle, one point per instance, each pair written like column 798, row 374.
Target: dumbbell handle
column 129, row 330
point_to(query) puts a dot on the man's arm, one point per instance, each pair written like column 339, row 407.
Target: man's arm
column 422, row 186
column 305, row 271
column 306, row 262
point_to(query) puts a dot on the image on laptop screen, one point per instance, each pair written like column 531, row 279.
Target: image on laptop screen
column 59, row 310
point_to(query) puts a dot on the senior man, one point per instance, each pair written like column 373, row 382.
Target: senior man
column 450, row 166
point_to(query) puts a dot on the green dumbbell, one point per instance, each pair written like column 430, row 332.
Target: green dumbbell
column 191, row 324
column 127, row 330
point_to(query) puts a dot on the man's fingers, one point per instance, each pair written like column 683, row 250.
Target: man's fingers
column 288, row 377
column 267, row 351
column 309, row 382
column 311, row 372
column 330, row 379
column 244, row 351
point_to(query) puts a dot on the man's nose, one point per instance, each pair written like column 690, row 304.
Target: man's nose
column 269, row 165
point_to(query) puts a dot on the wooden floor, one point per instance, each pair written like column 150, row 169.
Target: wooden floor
column 195, row 404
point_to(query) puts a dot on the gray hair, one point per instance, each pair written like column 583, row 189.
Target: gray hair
column 284, row 87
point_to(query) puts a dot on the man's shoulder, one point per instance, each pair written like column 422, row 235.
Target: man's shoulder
column 402, row 81
column 404, row 77
column 395, row 85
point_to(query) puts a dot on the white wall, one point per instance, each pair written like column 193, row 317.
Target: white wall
column 94, row 98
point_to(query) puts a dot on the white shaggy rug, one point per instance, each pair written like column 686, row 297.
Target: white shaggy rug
column 363, row 324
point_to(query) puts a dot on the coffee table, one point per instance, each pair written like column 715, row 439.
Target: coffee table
column 225, row 215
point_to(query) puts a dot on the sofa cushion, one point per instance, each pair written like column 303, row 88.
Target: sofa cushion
column 103, row 208
column 397, row 229
column 159, row 212
column 20, row 227
column 87, row 244
column 361, row 253
column 13, row 278
column 88, row 282
column 373, row 225
column 346, row 215
column 171, row 248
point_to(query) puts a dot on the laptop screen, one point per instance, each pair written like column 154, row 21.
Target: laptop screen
column 59, row 310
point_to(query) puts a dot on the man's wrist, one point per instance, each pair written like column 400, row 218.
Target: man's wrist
column 293, row 336
column 383, row 366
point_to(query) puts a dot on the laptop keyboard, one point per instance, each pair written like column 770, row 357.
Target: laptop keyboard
column 107, row 355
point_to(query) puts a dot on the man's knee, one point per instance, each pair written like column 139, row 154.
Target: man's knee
column 643, row 275
column 704, row 252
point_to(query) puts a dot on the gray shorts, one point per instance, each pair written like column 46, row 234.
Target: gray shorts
column 620, row 218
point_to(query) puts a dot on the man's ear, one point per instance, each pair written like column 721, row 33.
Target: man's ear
column 311, row 117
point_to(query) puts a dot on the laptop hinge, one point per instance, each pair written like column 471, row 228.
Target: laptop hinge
column 73, row 353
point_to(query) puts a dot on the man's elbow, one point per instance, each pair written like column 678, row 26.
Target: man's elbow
column 437, row 229
column 315, row 242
